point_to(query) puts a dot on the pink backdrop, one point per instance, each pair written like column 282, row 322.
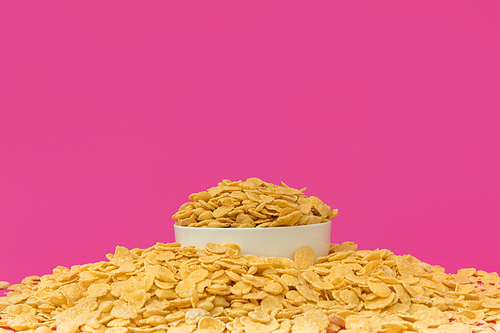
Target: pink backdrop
column 113, row 112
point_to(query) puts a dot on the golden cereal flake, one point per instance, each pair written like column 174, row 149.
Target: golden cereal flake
column 169, row 288
column 252, row 204
column 304, row 257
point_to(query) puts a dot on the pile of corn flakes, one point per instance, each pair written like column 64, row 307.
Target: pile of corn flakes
column 172, row 289
column 252, row 204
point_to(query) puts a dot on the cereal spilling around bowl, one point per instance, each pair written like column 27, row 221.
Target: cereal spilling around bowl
column 252, row 204
column 172, row 289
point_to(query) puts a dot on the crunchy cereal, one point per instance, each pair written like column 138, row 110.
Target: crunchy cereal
column 252, row 204
column 172, row 289
column 304, row 257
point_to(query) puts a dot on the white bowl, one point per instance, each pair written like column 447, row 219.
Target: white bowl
column 261, row 242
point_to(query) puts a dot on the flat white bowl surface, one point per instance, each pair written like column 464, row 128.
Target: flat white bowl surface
column 268, row 242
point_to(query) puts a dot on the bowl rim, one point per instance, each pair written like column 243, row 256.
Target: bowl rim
column 247, row 229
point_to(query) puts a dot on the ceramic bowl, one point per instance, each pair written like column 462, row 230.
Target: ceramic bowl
column 268, row 242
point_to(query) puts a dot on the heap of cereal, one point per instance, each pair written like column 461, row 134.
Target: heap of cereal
column 252, row 203
column 172, row 289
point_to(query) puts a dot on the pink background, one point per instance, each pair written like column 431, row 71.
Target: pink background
column 113, row 112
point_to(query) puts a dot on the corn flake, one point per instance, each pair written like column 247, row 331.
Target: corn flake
column 169, row 288
column 252, row 203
